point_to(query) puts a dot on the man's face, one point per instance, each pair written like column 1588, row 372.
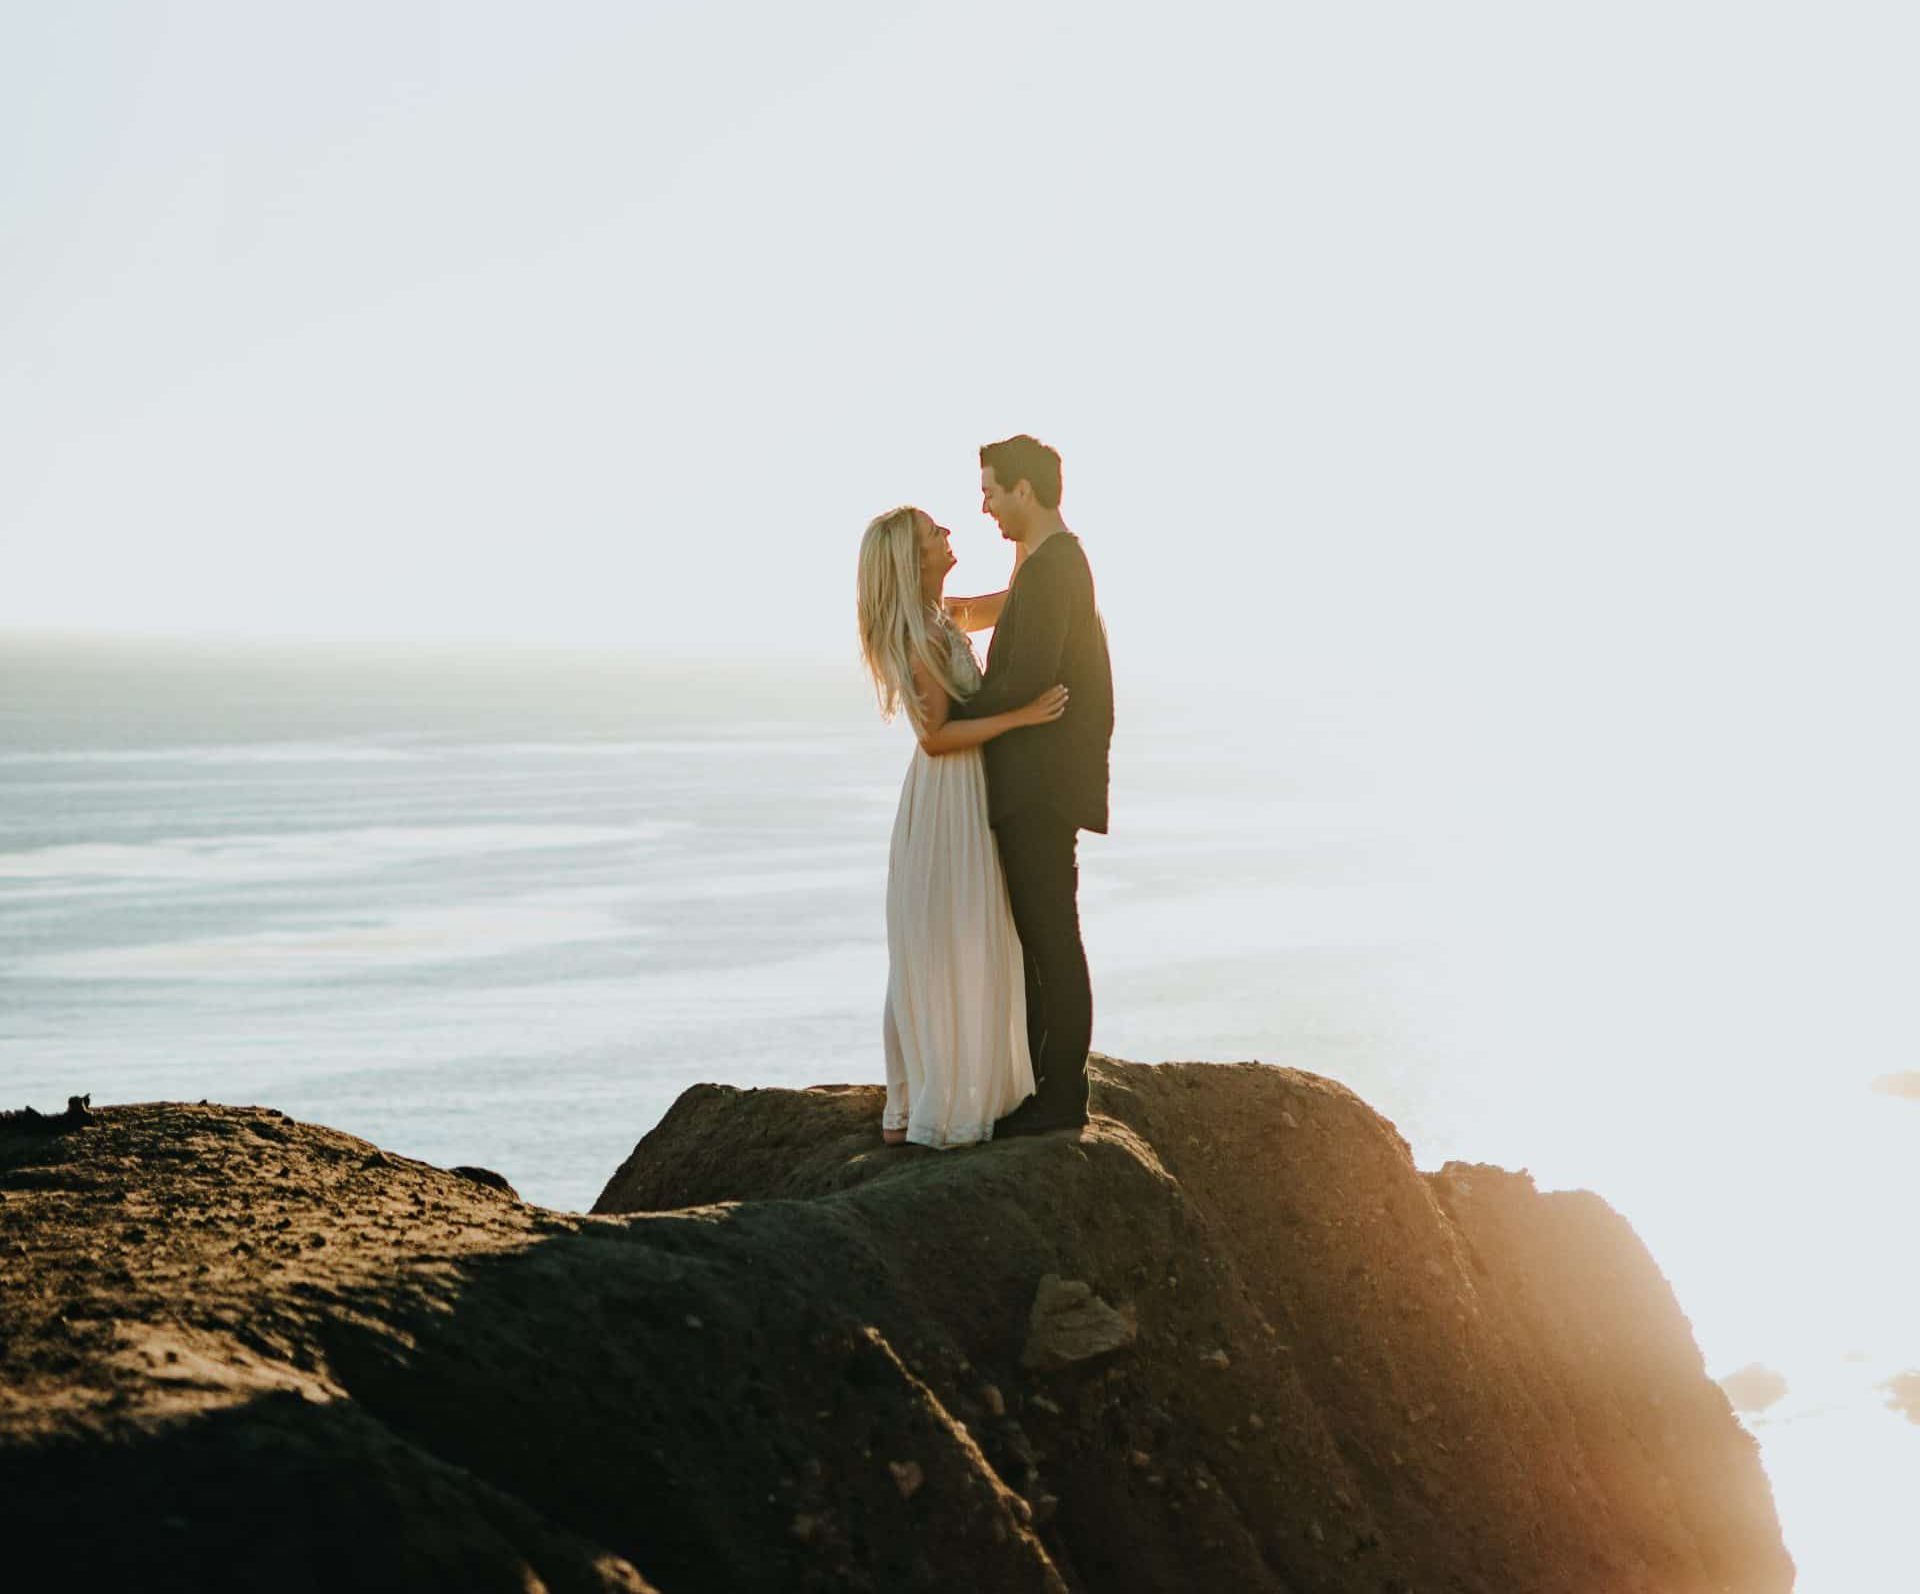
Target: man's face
column 1008, row 509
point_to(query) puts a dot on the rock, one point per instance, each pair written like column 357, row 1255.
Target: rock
column 1070, row 1324
column 1903, row 1394
column 29, row 1121
column 486, row 1178
column 1754, row 1388
column 1216, row 1358
column 460, row 1391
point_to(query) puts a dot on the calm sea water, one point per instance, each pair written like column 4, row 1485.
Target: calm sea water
column 502, row 908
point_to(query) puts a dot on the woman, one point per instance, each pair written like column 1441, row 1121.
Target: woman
column 955, row 1028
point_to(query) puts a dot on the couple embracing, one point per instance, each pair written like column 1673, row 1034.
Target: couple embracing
column 989, row 1010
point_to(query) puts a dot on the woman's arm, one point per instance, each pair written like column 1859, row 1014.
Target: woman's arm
column 983, row 613
column 938, row 734
column 1033, row 652
column 977, row 614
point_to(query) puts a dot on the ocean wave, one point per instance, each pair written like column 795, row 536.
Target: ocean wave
column 224, row 753
column 395, row 940
column 306, row 854
column 732, row 744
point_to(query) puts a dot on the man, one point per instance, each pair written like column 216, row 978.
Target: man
column 1045, row 783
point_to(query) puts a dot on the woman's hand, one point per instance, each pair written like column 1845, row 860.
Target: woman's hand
column 1045, row 708
column 938, row 737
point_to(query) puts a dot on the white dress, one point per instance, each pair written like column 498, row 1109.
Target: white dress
column 956, row 1016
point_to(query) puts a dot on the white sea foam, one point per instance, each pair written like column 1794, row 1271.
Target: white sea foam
column 730, row 746
column 395, row 940
column 226, row 753
column 297, row 855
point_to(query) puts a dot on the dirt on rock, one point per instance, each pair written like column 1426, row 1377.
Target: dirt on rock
column 1268, row 1354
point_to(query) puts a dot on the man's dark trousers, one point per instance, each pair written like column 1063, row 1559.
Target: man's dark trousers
column 1037, row 848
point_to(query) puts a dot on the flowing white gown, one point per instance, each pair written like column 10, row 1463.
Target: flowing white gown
column 955, row 1027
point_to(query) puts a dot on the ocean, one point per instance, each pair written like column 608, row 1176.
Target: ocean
column 505, row 910
column 502, row 907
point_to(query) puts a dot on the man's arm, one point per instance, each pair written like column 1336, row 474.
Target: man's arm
column 1028, row 661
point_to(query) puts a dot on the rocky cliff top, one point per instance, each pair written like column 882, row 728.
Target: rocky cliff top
column 1227, row 1337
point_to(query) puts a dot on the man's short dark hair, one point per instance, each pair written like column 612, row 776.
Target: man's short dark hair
column 1025, row 459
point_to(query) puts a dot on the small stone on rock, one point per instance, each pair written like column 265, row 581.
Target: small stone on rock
column 1069, row 1324
column 907, row 1477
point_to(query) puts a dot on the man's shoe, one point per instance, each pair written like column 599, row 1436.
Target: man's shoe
column 1036, row 1117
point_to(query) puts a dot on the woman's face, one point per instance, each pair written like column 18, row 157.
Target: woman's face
column 936, row 555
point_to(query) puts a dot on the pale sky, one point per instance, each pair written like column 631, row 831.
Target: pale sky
column 1377, row 333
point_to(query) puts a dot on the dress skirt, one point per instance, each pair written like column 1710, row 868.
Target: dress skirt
column 955, row 1028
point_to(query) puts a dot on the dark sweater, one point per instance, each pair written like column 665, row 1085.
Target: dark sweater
column 1050, row 633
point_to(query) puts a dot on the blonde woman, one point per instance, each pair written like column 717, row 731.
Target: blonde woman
column 955, row 1028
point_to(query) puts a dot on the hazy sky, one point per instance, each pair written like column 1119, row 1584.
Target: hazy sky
column 1375, row 333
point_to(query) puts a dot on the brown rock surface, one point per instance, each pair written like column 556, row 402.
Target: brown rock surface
column 784, row 1357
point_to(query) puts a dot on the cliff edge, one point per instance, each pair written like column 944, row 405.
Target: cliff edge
column 1227, row 1337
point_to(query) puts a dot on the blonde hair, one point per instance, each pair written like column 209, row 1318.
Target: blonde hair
column 898, row 625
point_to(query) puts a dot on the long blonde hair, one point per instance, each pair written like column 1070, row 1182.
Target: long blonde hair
column 898, row 625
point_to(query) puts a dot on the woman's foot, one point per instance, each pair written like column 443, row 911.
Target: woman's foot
column 894, row 1137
